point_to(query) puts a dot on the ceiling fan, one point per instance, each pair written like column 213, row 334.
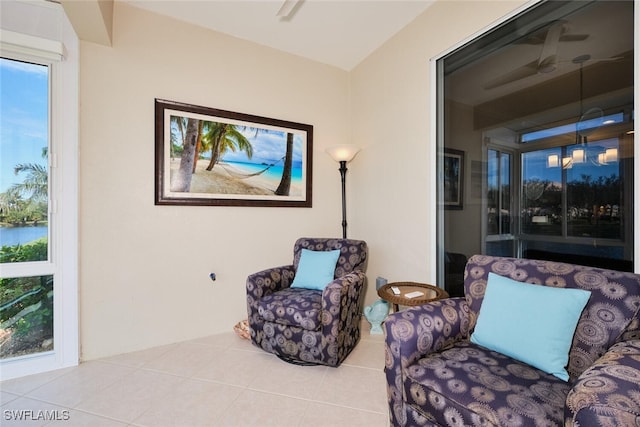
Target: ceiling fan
column 548, row 60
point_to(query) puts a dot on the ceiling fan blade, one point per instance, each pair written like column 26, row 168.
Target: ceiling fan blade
column 573, row 37
column 527, row 70
column 548, row 56
column 546, row 63
column 286, row 8
column 538, row 39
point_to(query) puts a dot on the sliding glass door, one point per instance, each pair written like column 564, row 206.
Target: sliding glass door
column 540, row 110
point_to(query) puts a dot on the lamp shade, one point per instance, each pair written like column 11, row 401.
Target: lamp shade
column 341, row 153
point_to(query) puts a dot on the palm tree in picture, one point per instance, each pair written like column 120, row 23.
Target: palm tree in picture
column 285, row 181
column 222, row 137
column 178, row 126
column 178, row 136
column 196, row 153
column 181, row 180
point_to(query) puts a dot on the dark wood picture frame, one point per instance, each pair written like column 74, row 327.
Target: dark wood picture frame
column 210, row 157
column 453, row 172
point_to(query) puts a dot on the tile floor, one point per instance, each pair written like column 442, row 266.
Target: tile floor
column 220, row 380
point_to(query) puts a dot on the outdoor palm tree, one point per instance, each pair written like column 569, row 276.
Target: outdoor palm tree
column 27, row 200
column 35, row 184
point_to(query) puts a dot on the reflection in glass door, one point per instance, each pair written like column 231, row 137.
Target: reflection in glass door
column 500, row 237
column 574, row 200
column 548, row 133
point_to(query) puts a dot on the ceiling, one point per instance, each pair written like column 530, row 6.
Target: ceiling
column 341, row 33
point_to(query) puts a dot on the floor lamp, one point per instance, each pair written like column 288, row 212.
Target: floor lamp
column 343, row 154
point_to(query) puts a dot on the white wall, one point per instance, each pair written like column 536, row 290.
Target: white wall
column 394, row 174
column 144, row 268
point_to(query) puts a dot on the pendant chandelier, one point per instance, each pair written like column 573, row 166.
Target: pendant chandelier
column 588, row 123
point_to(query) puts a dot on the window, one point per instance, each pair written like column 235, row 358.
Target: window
column 38, row 155
column 542, row 107
column 26, row 303
column 574, row 198
column 499, row 235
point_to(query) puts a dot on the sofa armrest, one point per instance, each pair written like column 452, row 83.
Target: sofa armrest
column 607, row 393
column 415, row 332
column 266, row 282
column 418, row 331
column 343, row 293
column 350, row 284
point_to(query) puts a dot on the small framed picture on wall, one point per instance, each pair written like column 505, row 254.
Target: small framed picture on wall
column 453, row 171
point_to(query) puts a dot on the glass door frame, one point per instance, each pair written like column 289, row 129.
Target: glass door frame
column 514, row 197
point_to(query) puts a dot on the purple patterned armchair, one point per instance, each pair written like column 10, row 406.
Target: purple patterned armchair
column 306, row 326
column 437, row 376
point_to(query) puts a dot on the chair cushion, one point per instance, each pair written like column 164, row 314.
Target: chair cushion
column 522, row 320
column 293, row 307
column 469, row 385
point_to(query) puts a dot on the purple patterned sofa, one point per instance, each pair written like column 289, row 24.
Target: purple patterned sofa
column 307, row 326
column 437, row 376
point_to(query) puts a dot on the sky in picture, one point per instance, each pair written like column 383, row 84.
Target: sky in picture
column 268, row 147
column 24, row 92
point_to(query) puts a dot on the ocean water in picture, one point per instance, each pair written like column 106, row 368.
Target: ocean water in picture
column 273, row 173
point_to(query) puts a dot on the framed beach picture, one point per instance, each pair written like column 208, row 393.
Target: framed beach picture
column 206, row 156
column 453, row 178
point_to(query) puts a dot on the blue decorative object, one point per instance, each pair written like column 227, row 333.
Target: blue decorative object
column 375, row 314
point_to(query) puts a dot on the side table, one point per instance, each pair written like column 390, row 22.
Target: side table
column 429, row 293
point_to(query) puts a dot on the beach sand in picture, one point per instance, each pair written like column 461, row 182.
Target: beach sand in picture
column 231, row 179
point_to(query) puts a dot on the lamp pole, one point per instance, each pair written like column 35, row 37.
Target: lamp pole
column 343, row 178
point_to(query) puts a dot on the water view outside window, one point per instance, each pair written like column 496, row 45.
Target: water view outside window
column 26, row 303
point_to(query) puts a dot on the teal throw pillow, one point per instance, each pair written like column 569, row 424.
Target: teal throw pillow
column 531, row 323
column 315, row 269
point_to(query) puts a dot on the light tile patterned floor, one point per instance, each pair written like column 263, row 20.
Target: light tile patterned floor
column 220, row 380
